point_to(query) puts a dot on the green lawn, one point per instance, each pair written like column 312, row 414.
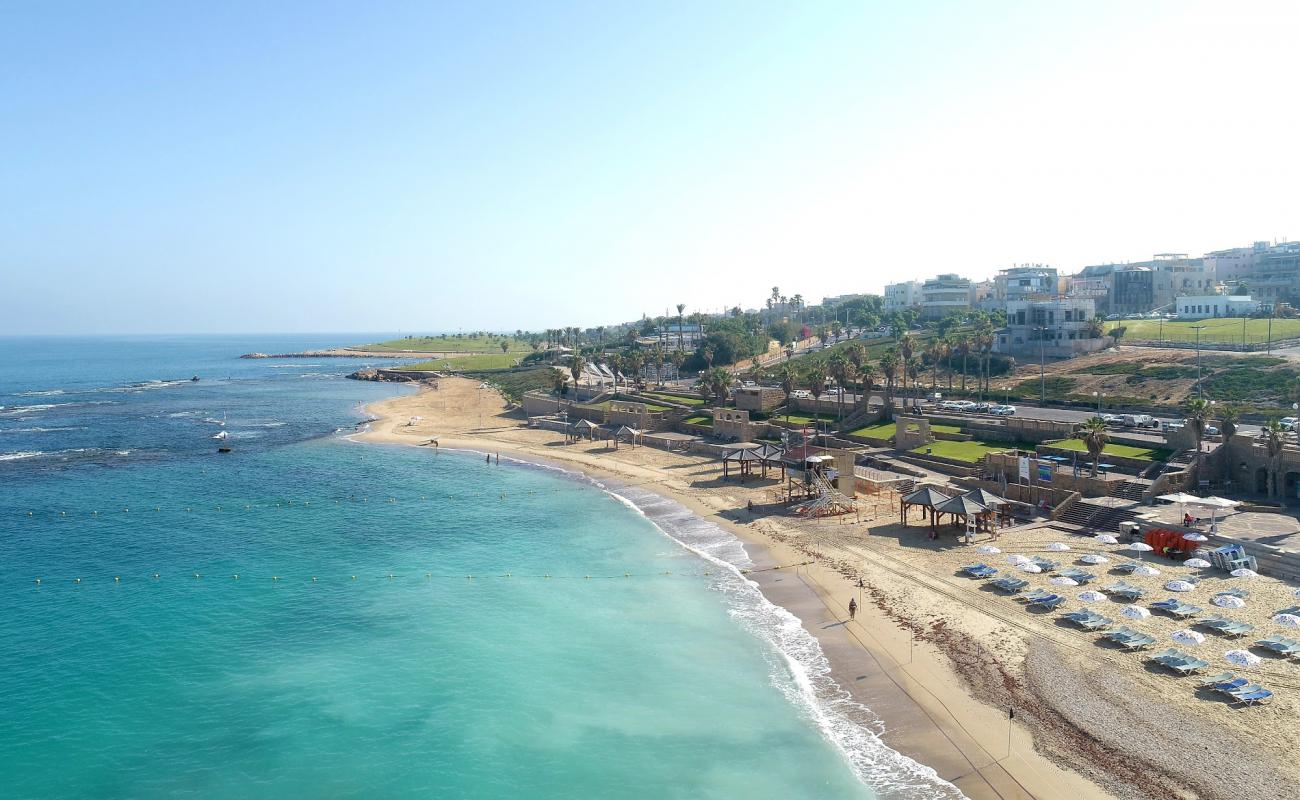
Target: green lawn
column 1225, row 329
column 965, row 451
column 1113, row 449
column 604, row 405
column 672, row 398
column 886, row 430
column 699, row 419
column 514, row 384
column 476, row 361
column 451, row 344
column 801, row 419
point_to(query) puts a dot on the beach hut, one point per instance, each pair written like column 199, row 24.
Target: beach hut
column 1000, row 506
column 927, row 499
column 584, row 426
column 627, row 434
column 963, row 507
column 772, row 456
column 745, row 458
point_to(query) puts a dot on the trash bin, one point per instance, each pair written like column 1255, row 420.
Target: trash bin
column 1129, row 529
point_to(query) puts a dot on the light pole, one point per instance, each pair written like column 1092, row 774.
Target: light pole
column 1198, row 329
column 1099, row 395
column 1042, row 365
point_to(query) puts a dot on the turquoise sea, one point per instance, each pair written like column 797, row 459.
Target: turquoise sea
column 312, row 617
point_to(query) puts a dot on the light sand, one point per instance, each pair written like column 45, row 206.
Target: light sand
column 935, row 657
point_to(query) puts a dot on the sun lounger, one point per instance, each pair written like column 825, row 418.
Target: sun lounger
column 1228, row 687
column 1227, row 627
column 1177, row 608
column 1010, row 584
column 1077, row 575
column 1128, row 638
column 1236, row 629
column 1222, row 677
column 1255, row 697
column 1190, row 665
column 1088, row 620
column 1046, row 564
column 1126, row 566
column 979, row 570
column 1124, row 590
column 1280, row 645
column 1050, row 601
column 1238, row 592
column 1293, row 610
column 1036, row 594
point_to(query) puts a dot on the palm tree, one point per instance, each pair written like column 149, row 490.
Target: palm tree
column 1095, row 437
column 1274, row 443
column 963, row 347
column 1198, row 415
column 867, row 373
column 677, row 358
column 707, row 352
column 889, row 368
column 1229, row 416
column 787, row 375
column 576, row 365
column 932, row 353
column 714, row 382
column 817, row 386
column 658, row 355
column 680, row 342
column 984, row 336
column 839, row 367
column 913, row 371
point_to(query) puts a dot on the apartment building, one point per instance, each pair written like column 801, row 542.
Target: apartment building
column 946, row 294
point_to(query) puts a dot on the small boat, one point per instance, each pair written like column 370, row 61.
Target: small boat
column 195, row 379
column 221, row 434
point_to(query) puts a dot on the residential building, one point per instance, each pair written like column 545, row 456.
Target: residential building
column 1132, row 290
column 1275, row 275
column 1144, row 286
column 686, row 336
column 1200, row 306
column 899, row 296
column 760, row 399
column 1236, row 263
column 1026, row 282
column 1058, row 328
column 946, row 294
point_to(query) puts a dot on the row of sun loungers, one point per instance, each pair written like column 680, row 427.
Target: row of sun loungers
column 1238, row 690
column 1127, row 566
column 1088, row 620
column 1177, row 608
column 1040, row 597
column 1129, row 639
column 1124, row 590
column 979, row 570
column 1224, row 626
column 1077, row 575
column 1010, row 584
column 1280, row 645
column 1178, row 661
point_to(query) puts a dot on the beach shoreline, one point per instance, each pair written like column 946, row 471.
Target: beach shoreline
column 907, row 683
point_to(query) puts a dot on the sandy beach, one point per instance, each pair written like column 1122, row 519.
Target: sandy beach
column 939, row 659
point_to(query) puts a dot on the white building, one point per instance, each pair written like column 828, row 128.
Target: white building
column 946, row 294
column 1200, row 306
column 899, row 296
column 1053, row 328
column 1028, row 282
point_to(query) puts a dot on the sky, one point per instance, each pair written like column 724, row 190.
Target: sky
column 228, row 167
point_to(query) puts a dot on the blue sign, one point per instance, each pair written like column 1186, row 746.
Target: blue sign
column 1045, row 472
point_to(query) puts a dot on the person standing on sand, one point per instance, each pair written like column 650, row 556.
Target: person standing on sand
column 853, row 607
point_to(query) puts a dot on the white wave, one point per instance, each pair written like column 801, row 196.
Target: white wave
column 46, row 393
column 293, row 366
column 40, row 430
column 212, row 420
column 20, row 455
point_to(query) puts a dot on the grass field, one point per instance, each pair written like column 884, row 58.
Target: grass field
column 965, row 451
column 451, row 344
column 1113, row 449
column 1226, row 329
column 886, row 430
column 473, row 361
column 514, row 384
column 672, row 398
column 802, row 419
column 699, row 419
column 605, row 406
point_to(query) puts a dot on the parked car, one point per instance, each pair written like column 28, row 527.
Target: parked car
column 982, row 408
column 801, row 393
column 1003, row 411
column 1139, row 421
column 1211, row 430
column 965, row 405
column 1289, row 423
column 1112, row 419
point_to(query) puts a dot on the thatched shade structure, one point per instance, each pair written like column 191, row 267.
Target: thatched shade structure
column 927, row 498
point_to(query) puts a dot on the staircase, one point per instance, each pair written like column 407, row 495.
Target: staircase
column 1129, row 490
column 1098, row 516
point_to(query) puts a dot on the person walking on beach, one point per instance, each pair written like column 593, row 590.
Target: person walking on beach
column 853, row 607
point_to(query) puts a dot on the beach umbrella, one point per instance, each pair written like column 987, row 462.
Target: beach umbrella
column 988, row 549
column 1058, row 547
column 1146, row 572
column 1106, row 538
column 1093, row 558
column 1017, row 559
column 1241, row 658
column 1186, row 636
column 1199, row 563
column 1287, row 620
column 1215, row 504
column 1180, row 586
column 1091, row 597
column 1196, row 537
column 1061, row 580
column 1135, row 612
column 1296, row 594
column 1244, row 573
column 1031, row 567
column 1139, row 548
column 1228, row 601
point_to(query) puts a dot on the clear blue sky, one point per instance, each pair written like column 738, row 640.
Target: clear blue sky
column 172, row 167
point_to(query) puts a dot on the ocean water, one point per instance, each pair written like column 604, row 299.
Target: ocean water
column 309, row 616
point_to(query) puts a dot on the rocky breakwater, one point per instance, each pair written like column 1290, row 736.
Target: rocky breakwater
column 393, row 375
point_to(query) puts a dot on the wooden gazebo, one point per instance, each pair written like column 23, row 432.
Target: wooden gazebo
column 627, row 434
column 963, row 507
column 745, row 458
column 928, row 499
column 577, row 429
column 996, row 505
column 772, row 456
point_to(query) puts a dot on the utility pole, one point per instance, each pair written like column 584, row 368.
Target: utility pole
column 1198, row 328
column 1042, row 366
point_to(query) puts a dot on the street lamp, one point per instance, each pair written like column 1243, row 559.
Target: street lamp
column 1042, row 365
column 1198, row 329
column 1098, row 395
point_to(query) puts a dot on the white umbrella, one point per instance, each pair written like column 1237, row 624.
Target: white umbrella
column 1228, row 601
column 1058, row 547
column 987, row 549
column 1034, row 568
column 1288, row 620
column 1093, row 558
column 1063, row 581
column 1135, row 612
column 1180, row 586
column 1178, row 497
column 1146, row 572
column 1196, row 537
column 1199, row 563
column 1017, row 559
column 1106, row 538
column 1188, row 637
column 1139, row 548
column 1242, row 658
column 1091, row 596
column 1215, row 504
column 1244, row 573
